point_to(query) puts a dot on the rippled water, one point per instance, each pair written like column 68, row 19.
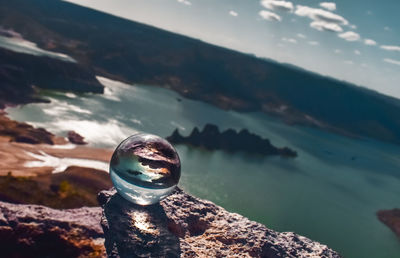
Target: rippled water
column 330, row 193
column 27, row 47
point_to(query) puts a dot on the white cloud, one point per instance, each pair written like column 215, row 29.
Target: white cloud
column 390, row 48
column 233, row 13
column 349, row 36
column 369, row 42
column 184, row 2
column 328, row 5
column 386, row 28
column 313, row 43
column 290, row 40
column 277, row 5
column 348, row 62
column 270, row 16
column 325, row 26
column 338, row 51
column 320, row 15
column 391, row 61
column 302, row 36
column 357, row 52
column 353, row 26
column 322, row 19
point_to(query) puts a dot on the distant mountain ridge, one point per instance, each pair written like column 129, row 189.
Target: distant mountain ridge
column 132, row 52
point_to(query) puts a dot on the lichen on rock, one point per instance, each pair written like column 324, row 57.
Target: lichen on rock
column 185, row 226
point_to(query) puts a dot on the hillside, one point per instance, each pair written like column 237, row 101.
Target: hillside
column 132, row 52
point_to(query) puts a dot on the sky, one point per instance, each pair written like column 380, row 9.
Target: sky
column 353, row 40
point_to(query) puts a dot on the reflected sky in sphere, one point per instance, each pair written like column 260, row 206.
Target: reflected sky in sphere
column 145, row 168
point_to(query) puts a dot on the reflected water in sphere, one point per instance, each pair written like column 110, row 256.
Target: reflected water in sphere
column 145, row 168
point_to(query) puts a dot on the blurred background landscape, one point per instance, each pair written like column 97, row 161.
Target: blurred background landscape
column 286, row 112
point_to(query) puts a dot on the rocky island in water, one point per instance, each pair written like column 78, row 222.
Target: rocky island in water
column 390, row 218
column 212, row 139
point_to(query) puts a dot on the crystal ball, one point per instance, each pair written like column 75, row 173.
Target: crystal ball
column 145, row 168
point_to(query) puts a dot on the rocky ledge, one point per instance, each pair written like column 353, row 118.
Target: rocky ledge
column 185, row 226
column 39, row 231
column 212, row 139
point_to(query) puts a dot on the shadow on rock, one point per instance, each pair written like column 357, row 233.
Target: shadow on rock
column 136, row 231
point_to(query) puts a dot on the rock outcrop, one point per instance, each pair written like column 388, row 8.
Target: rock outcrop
column 23, row 132
column 185, row 226
column 390, row 218
column 38, row 231
column 75, row 138
column 230, row 140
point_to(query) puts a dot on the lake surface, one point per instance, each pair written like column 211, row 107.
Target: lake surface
column 329, row 193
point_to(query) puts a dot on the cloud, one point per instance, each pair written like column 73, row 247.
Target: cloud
column 390, row 48
column 184, row 2
column 338, row 51
column 301, row 36
column 290, row 40
column 387, row 28
column 313, row 43
column 277, row 5
column 369, row 42
column 320, row 15
column 357, row 52
column 349, row 62
column 325, row 26
column 391, row 61
column 349, row 36
column 270, row 16
column 322, row 19
column 328, row 5
column 233, row 13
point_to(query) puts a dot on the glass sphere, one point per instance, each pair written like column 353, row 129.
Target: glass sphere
column 145, row 168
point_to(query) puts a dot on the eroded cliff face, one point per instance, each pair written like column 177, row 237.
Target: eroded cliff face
column 185, row 226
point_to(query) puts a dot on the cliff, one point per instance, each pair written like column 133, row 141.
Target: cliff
column 184, row 226
column 180, row 226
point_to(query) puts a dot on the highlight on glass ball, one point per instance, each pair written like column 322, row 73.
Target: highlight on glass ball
column 145, row 168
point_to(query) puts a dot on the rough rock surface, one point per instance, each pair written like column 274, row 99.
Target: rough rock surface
column 182, row 225
column 38, row 231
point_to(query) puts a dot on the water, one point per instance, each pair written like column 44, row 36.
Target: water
column 329, row 193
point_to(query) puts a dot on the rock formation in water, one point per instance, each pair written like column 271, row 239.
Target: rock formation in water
column 22, row 132
column 38, row 231
column 390, row 218
column 76, row 138
column 230, row 140
column 185, row 226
